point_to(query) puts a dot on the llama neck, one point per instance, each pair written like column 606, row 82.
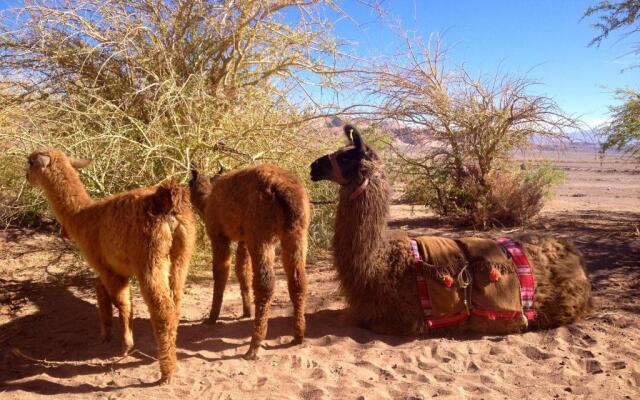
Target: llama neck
column 66, row 194
column 359, row 232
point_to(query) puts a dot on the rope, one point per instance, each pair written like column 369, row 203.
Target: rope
column 464, row 280
column 17, row 352
column 464, row 277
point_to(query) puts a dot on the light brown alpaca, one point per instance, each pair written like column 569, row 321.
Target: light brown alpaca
column 256, row 206
column 378, row 276
column 147, row 232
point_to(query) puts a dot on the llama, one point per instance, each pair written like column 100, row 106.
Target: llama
column 147, row 232
column 378, row 273
column 255, row 206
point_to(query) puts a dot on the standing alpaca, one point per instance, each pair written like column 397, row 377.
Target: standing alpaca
column 255, row 206
column 378, row 274
column 147, row 232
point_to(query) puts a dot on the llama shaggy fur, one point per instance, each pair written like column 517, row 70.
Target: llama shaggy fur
column 377, row 273
column 147, row 232
column 256, row 206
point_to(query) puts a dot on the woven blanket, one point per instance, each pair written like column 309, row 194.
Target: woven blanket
column 474, row 270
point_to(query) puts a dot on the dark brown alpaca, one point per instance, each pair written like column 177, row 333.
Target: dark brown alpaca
column 147, row 232
column 378, row 276
column 256, row 206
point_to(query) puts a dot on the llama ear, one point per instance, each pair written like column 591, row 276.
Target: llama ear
column 348, row 132
column 42, row 161
column 79, row 163
column 355, row 138
column 194, row 173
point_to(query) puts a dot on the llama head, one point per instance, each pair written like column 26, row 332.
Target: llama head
column 44, row 165
column 349, row 164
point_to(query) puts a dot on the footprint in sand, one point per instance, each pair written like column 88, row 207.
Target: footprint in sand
column 535, row 354
column 311, row 392
column 583, row 353
column 472, row 367
column 444, row 378
column 318, row 373
column 496, row 350
column 487, row 380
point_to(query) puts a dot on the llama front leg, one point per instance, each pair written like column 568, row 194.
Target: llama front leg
column 156, row 293
column 243, row 273
column 105, row 311
column 294, row 255
column 221, row 264
column 263, row 287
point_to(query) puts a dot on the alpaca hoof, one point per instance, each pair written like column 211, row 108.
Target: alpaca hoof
column 164, row 380
column 251, row 355
column 126, row 349
column 297, row 340
column 246, row 314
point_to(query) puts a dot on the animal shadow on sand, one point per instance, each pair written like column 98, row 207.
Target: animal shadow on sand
column 65, row 328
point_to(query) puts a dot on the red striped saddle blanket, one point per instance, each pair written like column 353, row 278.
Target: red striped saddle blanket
column 473, row 280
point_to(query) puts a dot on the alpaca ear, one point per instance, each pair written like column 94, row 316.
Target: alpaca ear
column 221, row 168
column 194, row 173
column 42, row 161
column 355, row 138
column 79, row 163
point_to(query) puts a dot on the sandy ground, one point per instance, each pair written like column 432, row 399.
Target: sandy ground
column 47, row 311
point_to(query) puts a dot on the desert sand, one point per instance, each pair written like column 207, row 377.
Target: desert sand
column 48, row 312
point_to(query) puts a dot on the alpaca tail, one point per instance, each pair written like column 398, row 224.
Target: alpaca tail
column 294, row 206
column 169, row 198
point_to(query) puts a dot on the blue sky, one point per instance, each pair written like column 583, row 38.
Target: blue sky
column 546, row 40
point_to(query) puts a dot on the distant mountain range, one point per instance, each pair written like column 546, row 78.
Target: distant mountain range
column 403, row 135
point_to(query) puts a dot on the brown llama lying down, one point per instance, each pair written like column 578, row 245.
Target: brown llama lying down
column 255, row 206
column 147, row 232
column 378, row 275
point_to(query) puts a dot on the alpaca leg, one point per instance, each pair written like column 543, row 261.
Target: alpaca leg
column 157, row 294
column 120, row 292
column 243, row 273
column 263, row 287
column 181, row 249
column 221, row 266
column 294, row 255
column 104, row 310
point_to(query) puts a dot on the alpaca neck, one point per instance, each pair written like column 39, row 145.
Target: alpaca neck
column 67, row 195
column 359, row 231
column 199, row 198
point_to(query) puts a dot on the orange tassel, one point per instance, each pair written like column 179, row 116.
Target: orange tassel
column 494, row 274
column 447, row 280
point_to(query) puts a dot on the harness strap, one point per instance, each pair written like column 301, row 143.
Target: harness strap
column 360, row 189
column 494, row 314
column 337, row 172
column 525, row 275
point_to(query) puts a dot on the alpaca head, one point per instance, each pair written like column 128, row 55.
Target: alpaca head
column 200, row 186
column 349, row 164
column 44, row 165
